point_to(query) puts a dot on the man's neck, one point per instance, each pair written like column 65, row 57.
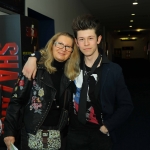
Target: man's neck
column 89, row 60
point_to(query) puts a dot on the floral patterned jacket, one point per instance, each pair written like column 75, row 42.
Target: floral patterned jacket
column 35, row 98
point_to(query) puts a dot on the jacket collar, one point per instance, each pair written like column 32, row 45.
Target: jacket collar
column 65, row 82
column 105, row 60
column 46, row 79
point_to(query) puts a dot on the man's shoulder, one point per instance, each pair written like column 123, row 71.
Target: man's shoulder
column 113, row 67
column 113, row 64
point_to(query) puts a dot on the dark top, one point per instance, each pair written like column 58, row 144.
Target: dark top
column 54, row 113
column 94, row 97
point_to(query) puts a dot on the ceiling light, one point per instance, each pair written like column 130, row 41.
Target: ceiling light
column 133, row 14
column 128, row 38
column 135, row 2
column 131, row 20
column 139, row 30
column 130, row 26
column 133, row 38
column 124, row 38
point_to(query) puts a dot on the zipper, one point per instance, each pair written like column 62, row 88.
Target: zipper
column 62, row 119
column 64, row 110
column 45, row 115
column 52, row 102
column 49, row 106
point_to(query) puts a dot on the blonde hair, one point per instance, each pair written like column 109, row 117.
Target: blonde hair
column 71, row 69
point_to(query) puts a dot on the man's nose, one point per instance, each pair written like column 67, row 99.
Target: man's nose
column 86, row 42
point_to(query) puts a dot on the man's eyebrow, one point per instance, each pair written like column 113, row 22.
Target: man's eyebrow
column 87, row 36
column 91, row 36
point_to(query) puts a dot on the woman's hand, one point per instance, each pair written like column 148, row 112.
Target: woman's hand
column 8, row 140
column 30, row 68
column 103, row 129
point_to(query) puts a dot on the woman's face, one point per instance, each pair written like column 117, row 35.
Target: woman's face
column 61, row 54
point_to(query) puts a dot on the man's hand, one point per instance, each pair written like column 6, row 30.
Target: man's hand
column 8, row 140
column 103, row 129
column 30, row 68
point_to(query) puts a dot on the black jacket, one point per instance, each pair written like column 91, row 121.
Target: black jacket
column 114, row 101
column 115, row 97
column 33, row 98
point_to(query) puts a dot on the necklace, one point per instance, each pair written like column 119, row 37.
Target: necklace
column 86, row 72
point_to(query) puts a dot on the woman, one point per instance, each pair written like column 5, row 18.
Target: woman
column 43, row 97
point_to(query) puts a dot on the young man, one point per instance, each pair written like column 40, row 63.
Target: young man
column 101, row 100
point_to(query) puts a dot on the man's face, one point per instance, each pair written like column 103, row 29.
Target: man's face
column 87, row 41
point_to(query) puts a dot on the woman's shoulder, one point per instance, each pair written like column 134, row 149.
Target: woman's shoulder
column 41, row 66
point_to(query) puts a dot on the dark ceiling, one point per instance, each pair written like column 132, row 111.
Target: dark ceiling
column 115, row 15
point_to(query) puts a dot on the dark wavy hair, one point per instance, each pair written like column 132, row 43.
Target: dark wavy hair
column 84, row 22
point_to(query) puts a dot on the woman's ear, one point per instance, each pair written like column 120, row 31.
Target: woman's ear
column 76, row 41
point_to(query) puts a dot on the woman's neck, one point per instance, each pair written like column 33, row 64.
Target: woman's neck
column 58, row 65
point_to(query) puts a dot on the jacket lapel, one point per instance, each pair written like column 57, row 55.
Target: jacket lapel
column 104, row 73
column 65, row 82
column 46, row 79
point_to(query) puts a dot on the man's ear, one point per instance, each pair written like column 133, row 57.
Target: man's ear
column 99, row 39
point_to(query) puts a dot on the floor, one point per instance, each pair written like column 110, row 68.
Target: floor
column 135, row 133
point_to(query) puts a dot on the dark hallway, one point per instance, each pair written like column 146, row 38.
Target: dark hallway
column 135, row 133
